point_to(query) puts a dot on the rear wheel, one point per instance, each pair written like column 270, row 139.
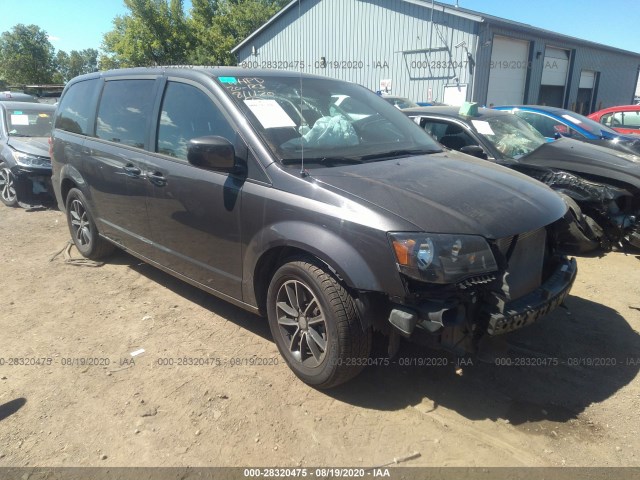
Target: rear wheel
column 7, row 186
column 83, row 229
column 315, row 324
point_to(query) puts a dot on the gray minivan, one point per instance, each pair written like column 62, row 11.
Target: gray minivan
column 333, row 218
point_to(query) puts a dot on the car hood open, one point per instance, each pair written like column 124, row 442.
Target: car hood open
column 587, row 160
column 32, row 145
column 449, row 193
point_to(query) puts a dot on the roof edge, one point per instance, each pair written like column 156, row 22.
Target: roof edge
column 459, row 12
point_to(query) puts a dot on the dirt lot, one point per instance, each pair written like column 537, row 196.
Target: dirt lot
column 579, row 410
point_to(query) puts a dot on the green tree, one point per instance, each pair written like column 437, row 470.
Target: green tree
column 154, row 33
column 61, row 63
column 157, row 32
column 219, row 25
column 26, row 55
column 74, row 64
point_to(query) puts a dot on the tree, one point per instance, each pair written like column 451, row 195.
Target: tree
column 154, row 33
column 75, row 63
column 26, row 55
column 157, row 32
column 219, row 25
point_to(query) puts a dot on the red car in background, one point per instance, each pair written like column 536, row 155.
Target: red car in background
column 623, row 119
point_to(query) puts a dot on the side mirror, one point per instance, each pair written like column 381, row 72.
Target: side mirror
column 474, row 151
column 213, row 153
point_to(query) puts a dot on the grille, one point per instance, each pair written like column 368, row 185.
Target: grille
column 524, row 273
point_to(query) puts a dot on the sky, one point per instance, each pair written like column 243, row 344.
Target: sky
column 80, row 24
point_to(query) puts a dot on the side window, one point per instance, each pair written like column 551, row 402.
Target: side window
column 456, row 138
column 631, row 119
column 124, row 109
column 617, row 120
column 76, row 107
column 547, row 126
column 435, row 129
column 187, row 113
column 607, row 119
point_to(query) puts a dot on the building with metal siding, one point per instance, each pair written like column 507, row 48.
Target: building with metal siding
column 429, row 51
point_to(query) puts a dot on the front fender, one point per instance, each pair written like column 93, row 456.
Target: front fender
column 373, row 270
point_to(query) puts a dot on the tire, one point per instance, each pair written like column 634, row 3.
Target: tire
column 7, row 186
column 84, row 232
column 315, row 324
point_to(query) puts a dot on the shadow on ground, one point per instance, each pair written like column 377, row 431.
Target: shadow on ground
column 252, row 323
column 11, row 407
column 549, row 371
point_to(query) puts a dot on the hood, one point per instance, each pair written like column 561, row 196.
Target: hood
column 32, row 145
column 622, row 143
column 587, row 160
column 449, row 193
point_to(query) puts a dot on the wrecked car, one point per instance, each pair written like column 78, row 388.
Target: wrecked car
column 260, row 187
column 601, row 186
column 553, row 122
column 25, row 164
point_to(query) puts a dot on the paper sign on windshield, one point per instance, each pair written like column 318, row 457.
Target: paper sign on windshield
column 269, row 113
column 19, row 119
column 482, row 127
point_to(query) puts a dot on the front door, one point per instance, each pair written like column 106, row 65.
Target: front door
column 194, row 214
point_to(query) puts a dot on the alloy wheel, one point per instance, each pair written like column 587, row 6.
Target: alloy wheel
column 302, row 323
column 80, row 223
column 7, row 186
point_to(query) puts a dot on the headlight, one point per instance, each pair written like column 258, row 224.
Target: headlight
column 440, row 258
column 26, row 160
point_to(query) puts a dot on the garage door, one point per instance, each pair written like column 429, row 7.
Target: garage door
column 554, row 77
column 508, row 74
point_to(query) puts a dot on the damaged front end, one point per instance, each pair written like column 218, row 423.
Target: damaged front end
column 606, row 216
column 516, row 281
column 33, row 186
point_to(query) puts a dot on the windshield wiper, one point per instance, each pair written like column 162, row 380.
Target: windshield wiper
column 322, row 160
column 398, row 153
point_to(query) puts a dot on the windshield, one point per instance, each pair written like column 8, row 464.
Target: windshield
column 512, row 136
column 589, row 125
column 29, row 122
column 329, row 122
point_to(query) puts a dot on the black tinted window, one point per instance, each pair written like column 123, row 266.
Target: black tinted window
column 76, row 107
column 188, row 113
column 123, row 112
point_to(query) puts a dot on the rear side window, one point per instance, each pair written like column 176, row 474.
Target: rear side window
column 622, row 119
column 124, row 109
column 187, row 113
column 76, row 107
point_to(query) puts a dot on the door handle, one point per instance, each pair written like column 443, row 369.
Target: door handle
column 131, row 170
column 157, row 178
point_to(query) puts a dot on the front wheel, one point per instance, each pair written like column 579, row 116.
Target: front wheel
column 7, row 186
column 83, row 228
column 315, row 324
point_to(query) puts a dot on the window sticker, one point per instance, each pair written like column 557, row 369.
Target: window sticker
column 248, row 87
column 17, row 112
column 19, row 119
column 572, row 119
column 483, row 127
column 227, row 79
column 43, row 115
column 269, row 113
